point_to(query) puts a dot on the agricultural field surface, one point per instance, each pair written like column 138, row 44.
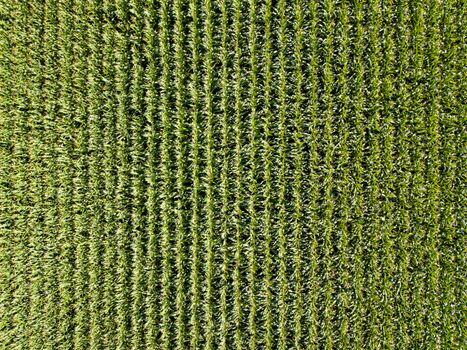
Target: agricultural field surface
column 233, row 174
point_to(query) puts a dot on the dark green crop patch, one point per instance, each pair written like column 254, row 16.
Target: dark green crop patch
column 232, row 174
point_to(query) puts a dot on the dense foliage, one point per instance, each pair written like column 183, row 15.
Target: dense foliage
column 219, row 174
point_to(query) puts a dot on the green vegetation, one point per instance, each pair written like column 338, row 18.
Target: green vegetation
column 233, row 174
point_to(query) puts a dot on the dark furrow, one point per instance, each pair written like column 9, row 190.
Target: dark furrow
column 403, row 175
column 239, row 181
column 166, row 183
column 181, row 170
column 252, row 175
column 357, row 170
column 225, row 183
column 80, row 195
column 328, row 174
column 195, row 174
column 313, row 183
column 374, row 175
column 109, row 166
column 449, row 164
column 389, row 96
column 432, row 176
column 208, row 237
column 268, row 186
column 281, row 178
column 344, row 179
column 96, row 180
column 152, row 232
column 123, row 191
column 138, row 183
column 461, row 200
column 65, row 162
column 298, row 138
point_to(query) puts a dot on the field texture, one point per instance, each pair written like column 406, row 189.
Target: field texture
column 231, row 174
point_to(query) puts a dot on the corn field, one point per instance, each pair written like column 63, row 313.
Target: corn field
column 232, row 174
